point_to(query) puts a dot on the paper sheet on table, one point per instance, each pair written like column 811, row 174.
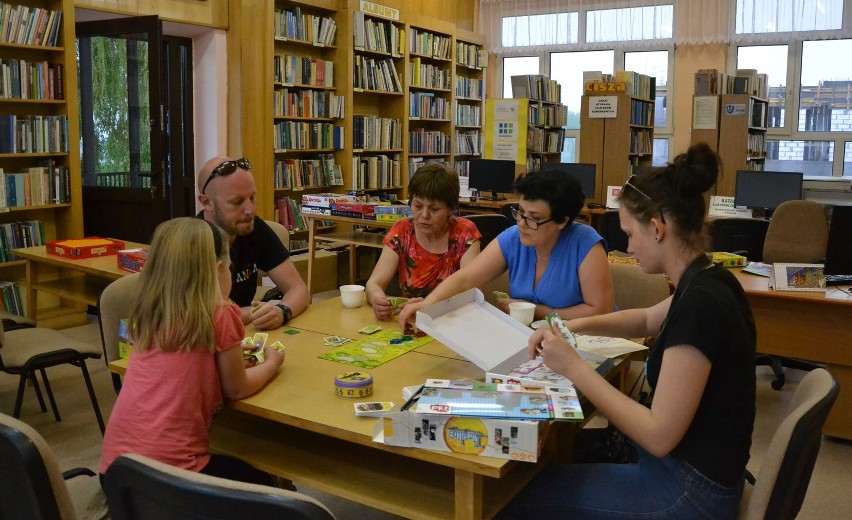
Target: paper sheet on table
column 608, row 347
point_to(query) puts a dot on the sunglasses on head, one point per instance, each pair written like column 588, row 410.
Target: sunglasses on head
column 227, row 168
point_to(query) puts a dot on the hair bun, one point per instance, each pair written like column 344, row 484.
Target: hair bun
column 696, row 170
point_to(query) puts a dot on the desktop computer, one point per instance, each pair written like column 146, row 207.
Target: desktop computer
column 838, row 252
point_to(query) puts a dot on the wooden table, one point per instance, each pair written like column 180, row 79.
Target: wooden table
column 80, row 281
column 353, row 237
column 808, row 325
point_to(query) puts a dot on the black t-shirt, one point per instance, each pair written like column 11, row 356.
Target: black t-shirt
column 709, row 311
column 262, row 249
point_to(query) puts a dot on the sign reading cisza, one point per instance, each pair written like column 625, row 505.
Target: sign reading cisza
column 379, row 10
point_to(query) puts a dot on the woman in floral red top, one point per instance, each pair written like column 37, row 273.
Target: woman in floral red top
column 427, row 247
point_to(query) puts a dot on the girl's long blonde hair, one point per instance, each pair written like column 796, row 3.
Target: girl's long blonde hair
column 178, row 290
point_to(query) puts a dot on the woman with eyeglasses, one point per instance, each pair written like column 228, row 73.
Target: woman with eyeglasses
column 428, row 247
column 554, row 262
column 693, row 442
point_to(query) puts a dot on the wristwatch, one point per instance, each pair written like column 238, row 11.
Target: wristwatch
column 288, row 314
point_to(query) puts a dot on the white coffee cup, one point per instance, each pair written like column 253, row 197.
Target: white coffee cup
column 351, row 295
column 522, row 311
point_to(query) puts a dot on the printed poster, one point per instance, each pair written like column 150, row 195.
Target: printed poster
column 506, row 129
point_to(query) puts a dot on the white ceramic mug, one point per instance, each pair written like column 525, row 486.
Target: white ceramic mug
column 522, row 311
column 351, row 295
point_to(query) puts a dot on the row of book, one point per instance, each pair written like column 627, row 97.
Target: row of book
column 425, row 105
column 641, row 142
column 301, row 70
column 21, row 79
column 415, row 163
column 33, row 134
column 38, row 186
column 373, row 74
column 10, row 298
column 471, row 56
column 305, row 173
column 641, row 113
column 14, row 235
column 756, row 145
column 469, row 142
column 470, row 88
column 537, row 87
column 289, row 215
column 744, row 81
column 462, row 169
column 428, row 75
column 425, row 141
column 638, row 85
column 307, row 103
column 25, row 25
column 376, row 133
column 299, row 135
column 375, row 172
column 377, row 35
column 542, row 140
column 547, row 115
column 293, row 25
column 426, row 43
column 468, row 115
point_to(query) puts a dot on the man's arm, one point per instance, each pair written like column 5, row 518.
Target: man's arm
column 296, row 298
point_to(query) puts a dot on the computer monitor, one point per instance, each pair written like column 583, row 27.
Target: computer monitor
column 494, row 175
column 838, row 252
column 583, row 172
column 767, row 190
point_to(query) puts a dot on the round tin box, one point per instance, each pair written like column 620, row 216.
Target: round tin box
column 353, row 385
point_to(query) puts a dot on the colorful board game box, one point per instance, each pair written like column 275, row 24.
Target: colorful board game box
column 132, row 260
column 88, row 247
column 727, row 259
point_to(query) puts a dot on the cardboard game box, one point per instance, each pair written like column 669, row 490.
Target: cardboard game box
column 87, row 247
column 132, row 260
column 727, row 259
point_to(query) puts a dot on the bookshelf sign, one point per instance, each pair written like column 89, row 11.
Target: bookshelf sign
column 735, row 109
column 603, row 107
column 379, row 10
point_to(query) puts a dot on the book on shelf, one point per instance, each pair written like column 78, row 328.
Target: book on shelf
column 797, row 277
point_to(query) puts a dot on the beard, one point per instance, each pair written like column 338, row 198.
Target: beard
column 239, row 227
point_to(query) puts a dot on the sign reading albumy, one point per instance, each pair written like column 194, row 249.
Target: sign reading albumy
column 379, row 10
column 603, row 107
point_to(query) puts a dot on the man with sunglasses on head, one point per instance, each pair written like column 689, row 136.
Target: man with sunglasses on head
column 227, row 192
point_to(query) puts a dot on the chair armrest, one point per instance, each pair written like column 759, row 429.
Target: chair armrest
column 77, row 472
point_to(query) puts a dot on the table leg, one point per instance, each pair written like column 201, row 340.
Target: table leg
column 353, row 263
column 312, row 253
column 32, row 299
column 468, row 495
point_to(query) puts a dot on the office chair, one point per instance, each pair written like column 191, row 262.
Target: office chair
column 506, row 211
column 616, row 239
column 26, row 350
column 742, row 236
column 32, row 485
column 634, row 289
column 139, row 488
column 785, row 473
column 798, row 233
column 490, row 225
column 114, row 305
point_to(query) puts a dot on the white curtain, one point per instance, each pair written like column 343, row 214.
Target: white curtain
column 517, row 27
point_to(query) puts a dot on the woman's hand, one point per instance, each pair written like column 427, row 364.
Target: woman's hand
column 382, row 307
column 549, row 343
column 273, row 356
column 408, row 312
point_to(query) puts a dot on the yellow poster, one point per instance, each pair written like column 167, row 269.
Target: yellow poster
column 506, row 129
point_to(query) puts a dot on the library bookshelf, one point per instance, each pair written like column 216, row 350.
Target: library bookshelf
column 470, row 62
column 41, row 192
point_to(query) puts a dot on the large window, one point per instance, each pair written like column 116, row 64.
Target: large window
column 772, row 61
column 542, row 29
column 656, row 65
column 567, row 68
column 824, row 87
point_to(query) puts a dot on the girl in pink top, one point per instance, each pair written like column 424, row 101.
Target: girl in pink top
column 187, row 355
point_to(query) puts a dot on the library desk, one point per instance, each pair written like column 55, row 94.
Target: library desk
column 814, row 326
column 80, row 281
column 353, row 238
column 590, row 216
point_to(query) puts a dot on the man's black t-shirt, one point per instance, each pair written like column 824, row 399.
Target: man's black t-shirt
column 262, row 249
column 709, row 311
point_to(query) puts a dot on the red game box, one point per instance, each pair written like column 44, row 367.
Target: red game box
column 86, row 247
column 132, row 260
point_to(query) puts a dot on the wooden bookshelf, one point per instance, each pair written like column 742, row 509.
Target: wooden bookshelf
column 468, row 110
column 60, row 215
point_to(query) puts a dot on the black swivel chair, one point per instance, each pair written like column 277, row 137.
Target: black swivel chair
column 616, row 239
column 739, row 235
column 490, row 225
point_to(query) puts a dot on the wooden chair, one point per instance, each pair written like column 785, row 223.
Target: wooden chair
column 139, row 488
column 636, row 290
column 32, row 487
column 114, row 305
column 27, row 350
column 785, row 473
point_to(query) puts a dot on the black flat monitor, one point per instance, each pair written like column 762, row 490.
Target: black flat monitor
column 838, row 252
column 765, row 190
column 494, row 175
column 583, row 172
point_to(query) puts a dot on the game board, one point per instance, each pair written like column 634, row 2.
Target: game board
column 375, row 349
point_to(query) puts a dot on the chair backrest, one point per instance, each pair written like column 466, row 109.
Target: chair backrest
column 635, row 289
column 31, row 484
column 506, row 211
column 490, row 225
column 798, row 232
column 615, row 237
column 786, row 469
column 281, row 231
column 114, row 305
column 139, row 488
column 739, row 235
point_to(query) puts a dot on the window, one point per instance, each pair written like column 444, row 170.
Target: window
column 824, row 87
column 772, row 61
column 630, row 23
column 517, row 67
column 847, row 159
column 567, row 69
column 656, row 65
column 541, row 29
column 661, row 152
column 813, row 158
column 773, row 16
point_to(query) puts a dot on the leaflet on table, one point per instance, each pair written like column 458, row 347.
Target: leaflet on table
column 509, row 401
column 797, row 277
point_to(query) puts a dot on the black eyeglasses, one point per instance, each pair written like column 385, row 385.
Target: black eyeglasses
column 640, row 192
column 227, row 168
column 532, row 224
